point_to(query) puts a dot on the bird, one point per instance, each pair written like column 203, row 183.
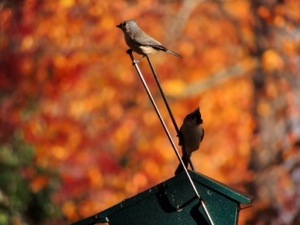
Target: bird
column 190, row 136
column 139, row 41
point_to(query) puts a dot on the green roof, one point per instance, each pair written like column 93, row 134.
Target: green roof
column 174, row 202
column 220, row 187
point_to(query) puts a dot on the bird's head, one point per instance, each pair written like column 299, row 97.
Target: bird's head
column 127, row 25
column 194, row 117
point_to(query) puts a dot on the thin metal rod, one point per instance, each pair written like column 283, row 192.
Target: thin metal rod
column 207, row 213
column 168, row 108
column 134, row 62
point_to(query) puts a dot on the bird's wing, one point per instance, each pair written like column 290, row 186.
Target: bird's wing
column 145, row 40
column 159, row 47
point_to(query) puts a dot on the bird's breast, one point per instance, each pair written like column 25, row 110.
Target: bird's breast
column 148, row 50
column 192, row 137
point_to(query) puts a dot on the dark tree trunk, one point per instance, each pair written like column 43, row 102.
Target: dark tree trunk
column 276, row 201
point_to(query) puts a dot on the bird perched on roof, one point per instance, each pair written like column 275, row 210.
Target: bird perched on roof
column 139, row 41
column 190, row 136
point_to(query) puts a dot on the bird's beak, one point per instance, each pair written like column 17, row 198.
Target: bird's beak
column 119, row 26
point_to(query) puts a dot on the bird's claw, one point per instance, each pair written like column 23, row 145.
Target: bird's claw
column 129, row 51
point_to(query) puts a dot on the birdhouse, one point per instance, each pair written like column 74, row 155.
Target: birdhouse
column 174, row 202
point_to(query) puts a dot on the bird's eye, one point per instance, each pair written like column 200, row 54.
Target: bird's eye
column 123, row 24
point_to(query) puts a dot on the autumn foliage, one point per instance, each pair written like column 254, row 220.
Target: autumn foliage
column 72, row 101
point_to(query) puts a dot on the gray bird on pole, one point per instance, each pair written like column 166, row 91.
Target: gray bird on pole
column 139, row 41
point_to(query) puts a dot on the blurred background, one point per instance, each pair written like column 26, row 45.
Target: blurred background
column 78, row 133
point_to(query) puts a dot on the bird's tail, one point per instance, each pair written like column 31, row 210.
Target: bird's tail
column 173, row 53
column 185, row 158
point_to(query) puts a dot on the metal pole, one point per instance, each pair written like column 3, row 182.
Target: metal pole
column 134, row 62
